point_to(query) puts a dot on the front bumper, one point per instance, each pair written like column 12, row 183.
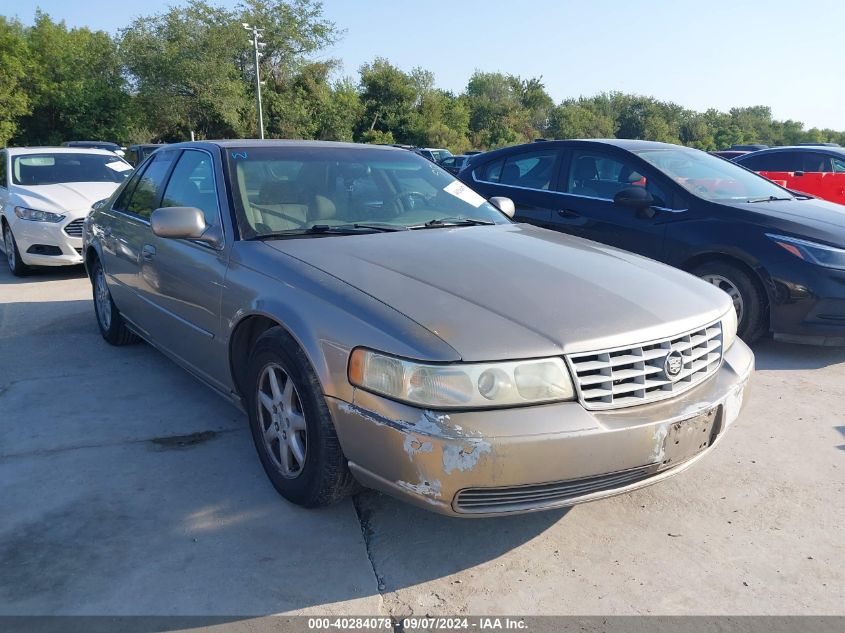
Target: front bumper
column 530, row 458
column 808, row 304
column 31, row 237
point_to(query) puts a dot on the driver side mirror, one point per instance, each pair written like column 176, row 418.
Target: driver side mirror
column 636, row 197
column 503, row 204
column 182, row 223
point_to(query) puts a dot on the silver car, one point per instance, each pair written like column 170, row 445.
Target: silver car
column 383, row 324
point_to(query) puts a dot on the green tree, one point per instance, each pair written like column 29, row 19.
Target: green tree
column 183, row 65
column 14, row 65
column 75, row 85
column 577, row 119
column 389, row 98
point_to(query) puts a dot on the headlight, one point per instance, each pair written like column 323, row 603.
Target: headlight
column 820, row 254
column 461, row 385
column 38, row 216
column 729, row 326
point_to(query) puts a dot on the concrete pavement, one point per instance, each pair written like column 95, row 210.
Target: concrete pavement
column 126, row 487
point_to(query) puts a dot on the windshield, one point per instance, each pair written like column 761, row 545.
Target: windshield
column 712, row 178
column 292, row 189
column 32, row 170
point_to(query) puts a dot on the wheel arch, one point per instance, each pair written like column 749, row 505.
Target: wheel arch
column 244, row 335
column 758, row 275
column 91, row 253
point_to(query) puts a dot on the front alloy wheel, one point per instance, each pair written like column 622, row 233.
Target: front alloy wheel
column 282, row 421
column 291, row 425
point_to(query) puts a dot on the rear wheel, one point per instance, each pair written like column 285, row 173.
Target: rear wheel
column 13, row 256
column 748, row 298
column 111, row 323
column 291, row 425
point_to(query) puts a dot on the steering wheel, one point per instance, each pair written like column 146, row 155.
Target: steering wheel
column 406, row 199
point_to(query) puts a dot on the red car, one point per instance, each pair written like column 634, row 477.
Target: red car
column 818, row 171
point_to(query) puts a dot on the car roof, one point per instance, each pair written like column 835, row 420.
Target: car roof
column 825, row 149
column 226, row 143
column 631, row 145
column 20, row 151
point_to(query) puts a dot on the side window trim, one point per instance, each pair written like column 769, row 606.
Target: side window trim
column 134, row 179
column 652, row 176
column 158, row 194
column 553, row 178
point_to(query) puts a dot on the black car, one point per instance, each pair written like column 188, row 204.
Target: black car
column 136, row 154
column 453, row 164
column 780, row 256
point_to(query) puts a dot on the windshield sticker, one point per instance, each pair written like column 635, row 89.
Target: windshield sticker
column 460, row 190
column 119, row 166
column 239, row 155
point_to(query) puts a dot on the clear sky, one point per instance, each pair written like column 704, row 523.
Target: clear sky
column 787, row 54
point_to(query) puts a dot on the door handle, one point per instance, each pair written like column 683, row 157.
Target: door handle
column 148, row 252
column 568, row 213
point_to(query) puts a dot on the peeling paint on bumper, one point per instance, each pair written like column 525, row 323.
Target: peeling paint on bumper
column 427, row 457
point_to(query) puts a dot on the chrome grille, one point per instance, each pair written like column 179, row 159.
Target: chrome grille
column 74, row 229
column 514, row 498
column 628, row 376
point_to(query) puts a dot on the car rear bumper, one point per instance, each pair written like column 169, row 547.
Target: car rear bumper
column 486, row 463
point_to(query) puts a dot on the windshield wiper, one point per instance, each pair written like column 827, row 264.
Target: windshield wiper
column 441, row 222
column 767, row 199
column 378, row 226
column 336, row 229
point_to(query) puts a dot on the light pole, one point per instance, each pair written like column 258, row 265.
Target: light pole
column 257, row 44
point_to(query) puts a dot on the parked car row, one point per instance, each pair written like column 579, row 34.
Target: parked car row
column 383, row 323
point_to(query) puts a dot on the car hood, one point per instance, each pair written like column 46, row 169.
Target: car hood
column 69, row 196
column 814, row 218
column 514, row 290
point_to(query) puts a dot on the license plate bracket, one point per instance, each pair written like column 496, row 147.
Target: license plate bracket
column 687, row 438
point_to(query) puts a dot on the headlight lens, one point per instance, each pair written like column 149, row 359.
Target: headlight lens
column 35, row 215
column 461, row 385
column 729, row 326
column 820, row 254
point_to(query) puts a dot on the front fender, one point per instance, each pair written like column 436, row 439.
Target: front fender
column 326, row 316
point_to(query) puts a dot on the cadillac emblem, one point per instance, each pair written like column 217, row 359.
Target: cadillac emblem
column 673, row 365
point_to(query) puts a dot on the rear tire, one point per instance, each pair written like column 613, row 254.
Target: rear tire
column 13, row 255
column 291, row 425
column 748, row 298
column 111, row 323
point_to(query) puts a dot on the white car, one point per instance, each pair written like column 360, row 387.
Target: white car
column 45, row 195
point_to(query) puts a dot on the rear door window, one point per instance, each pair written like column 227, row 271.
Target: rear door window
column 775, row 161
column 532, row 170
column 816, row 163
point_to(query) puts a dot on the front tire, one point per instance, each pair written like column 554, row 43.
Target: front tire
column 291, row 425
column 111, row 323
column 748, row 298
column 13, row 255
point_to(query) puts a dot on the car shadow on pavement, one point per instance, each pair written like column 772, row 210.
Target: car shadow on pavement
column 773, row 355
column 36, row 275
